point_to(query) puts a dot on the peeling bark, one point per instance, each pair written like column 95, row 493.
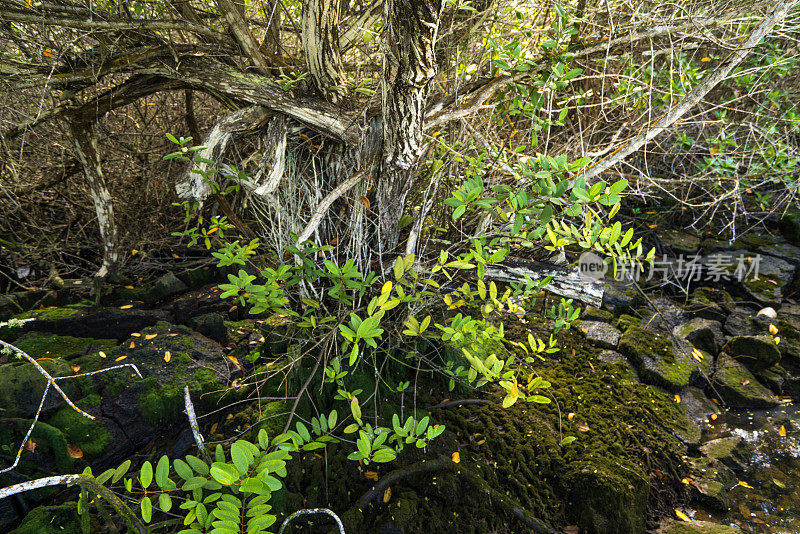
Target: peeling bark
column 234, row 16
column 409, row 66
column 321, row 45
column 86, row 151
column 273, row 163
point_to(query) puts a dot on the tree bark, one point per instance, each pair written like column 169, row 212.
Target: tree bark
column 234, row 16
column 321, row 46
column 86, row 151
column 408, row 68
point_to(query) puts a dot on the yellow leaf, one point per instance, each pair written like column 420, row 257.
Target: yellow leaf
column 74, row 451
column 697, row 355
column 128, row 287
column 387, row 495
column 132, row 345
column 688, row 481
column 773, row 329
column 47, row 53
column 456, row 457
column 134, row 252
column 777, row 340
column 365, row 201
column 30, row 445
column 782, row 431
column 705, row 59
column 150, row 336
column 167, row 356
column 126, row 307
column 571, row 416
column 213, row 428
column 713, row 417
column 583, row 428
column 120, row 358
column 682, row 516
column 386, row 287
column 745, row 484
column 101, row 354
column 136, row 334
column 677, row 398
column 75, row 367
column 371, row 475
column 235, row 362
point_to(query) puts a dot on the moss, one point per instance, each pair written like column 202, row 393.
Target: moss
column 21, row 386
column 51, row 440
column 164, row 404
column 39, row 345
column 90, row 436
column 60, row 519
column 596, row 314
column 625, row 321
column 51, row 313
column 753, row 241
column 699, row 527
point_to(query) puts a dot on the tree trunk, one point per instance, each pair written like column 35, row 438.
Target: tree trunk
column 408, row 68
column 321, row 45
column 86, row 150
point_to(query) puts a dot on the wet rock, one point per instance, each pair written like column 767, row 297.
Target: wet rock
column 619, row 298
column 600, row 334
column 741, row 322
column 704, row 334
column 211, row 325
column 755, row 352
column 712, row 480
column 22, row 385
column 59, row 519
column 698, row 406
column 774, row 378
column 199, row 277
column 774, row 276
column 608, row 496
column 166, row 287
column 789, row 226
column 200, row 302
column 686, row 429
column 681, row 241
column 92, row 322
column 611, row 356
column 696, row 527
column 710, row 303
column 738, row 387
column 8, row 307
column 733, row 452
column 784, row 251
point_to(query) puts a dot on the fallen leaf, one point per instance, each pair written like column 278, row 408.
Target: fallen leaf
column 779, row 483
column 713, row 417
column 101, row 354
column 120, row 358
column 777, row 340
column 785, row 399
column 387, row 495
column 583, row 428
column 697, row 355
column 229, row 416
column 570, row 416
column 74, row 451
column 773, row 329
column 688, row 481
column 134, row 252
column 235, row 362
column 745, row 382
column 150, row 336
column 132, row 345
column 75, row 367
column 677, row 398
column 705, row 59
column 456, row 457
column 682, row 516
column 176, row 256
column 371, row 475
column 167, row 356
column 714, row 150
column 136, row 334
column 30, row 445
column 745, row 484
column 125, row 307
column 128, row 287
column 365, row 201
column 213, row 428
column 782, row 431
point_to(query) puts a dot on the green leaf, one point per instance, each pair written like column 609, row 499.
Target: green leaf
column 225, row 474
column 194, row 483
column 146, row 475
column 165, row 502
column 147, row 509
column 162, row 471
column 183, row 469
column 567, row 440
column 120, row 471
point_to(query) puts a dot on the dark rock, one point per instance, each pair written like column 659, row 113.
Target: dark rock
column 789, row 226
column 774, row 378
column 738, row 387
column 58, row 519
column 681, row 241
column 774, row 277
column 783, row 251
column 755, row 352
column 8, row 307
column 608, row 496
column 211, row 325
column 619, row 298
column 741, row 323
column 600, row 334
column 611, row 356
column 734, row 452
column 199, row 277
column 96, row 323
column 200, row 302
column 166, row 287
column 704, row 334
column 710, row 303
column 695, row 527
column 698, row 406
column 712, row 480
column 596, row 314
column 662, row 361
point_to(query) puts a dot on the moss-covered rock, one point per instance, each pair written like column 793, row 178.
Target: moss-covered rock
column 608, row 496
column 166, row 287
column 696, row 527
column 42, row 345
column 733, row 451
column 704, row 334
column 596, row 314
column 738, row 387
column 22, row 385
column 755, row 352
column 661, row 361
column 710, row 303
column 711, row 481
column 60, row 519
column 774, row 276
column 790, row 226
column 89, row 435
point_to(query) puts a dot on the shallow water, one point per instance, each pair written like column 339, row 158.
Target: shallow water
column 772, row 502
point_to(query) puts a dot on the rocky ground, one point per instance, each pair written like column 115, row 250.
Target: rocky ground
column 638, row 382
